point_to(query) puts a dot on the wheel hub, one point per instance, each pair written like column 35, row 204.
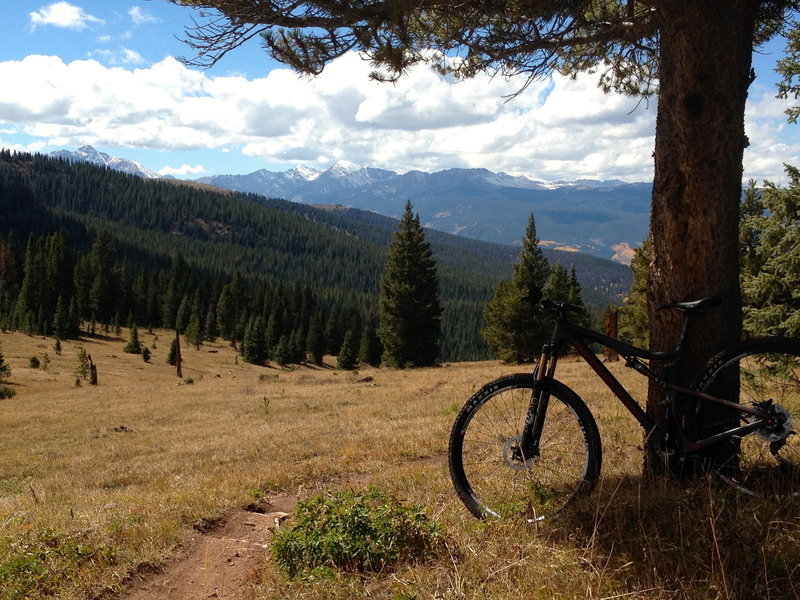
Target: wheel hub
column 513, row 455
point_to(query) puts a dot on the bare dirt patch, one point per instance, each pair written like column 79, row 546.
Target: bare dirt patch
column 220, row 559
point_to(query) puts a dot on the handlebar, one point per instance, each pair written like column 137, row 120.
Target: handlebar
column 560, row 309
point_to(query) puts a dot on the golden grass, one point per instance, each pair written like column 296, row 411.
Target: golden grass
column 99, row 482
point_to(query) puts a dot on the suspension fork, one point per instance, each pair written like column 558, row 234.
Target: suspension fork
column 540, row 399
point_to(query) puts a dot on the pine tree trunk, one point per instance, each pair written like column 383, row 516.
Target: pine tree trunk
column 705, row 58
column 178, row 361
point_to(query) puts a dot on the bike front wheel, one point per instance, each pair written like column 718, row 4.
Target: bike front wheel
column 487, row 464
column 764, row 374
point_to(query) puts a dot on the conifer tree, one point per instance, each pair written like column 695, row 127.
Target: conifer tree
column 60, row 320
column 134, row 346
column 575, row 298
column 172, row 354
column 105, row 286
column 315, row 341
column 410, row 311
column 184, row 314
column 557, row 285
column 5, row 368
column 514, row 328
column 369, row 351
column 210, row 328
column 194, row 331
column 771, row 286
column 348, row 353
column 254, row 347
column 633, row 320
column 281, row 352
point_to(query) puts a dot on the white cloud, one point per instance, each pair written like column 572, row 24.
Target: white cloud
column 131, row 57
column 557, row 129
column 140, row 16
column 182, row 170
column 62, row 14
column 121, row 56
column 773, row 141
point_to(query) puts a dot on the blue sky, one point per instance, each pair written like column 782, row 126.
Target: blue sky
column 104, row 73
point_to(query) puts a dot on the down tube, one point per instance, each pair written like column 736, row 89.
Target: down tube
column 615, row 386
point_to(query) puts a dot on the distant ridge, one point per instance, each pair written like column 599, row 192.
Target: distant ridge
column 90, row 155
column 602, row 218
column 607, row 218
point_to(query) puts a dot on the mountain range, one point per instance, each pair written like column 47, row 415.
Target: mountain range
column 101, row 159
column 601, row 218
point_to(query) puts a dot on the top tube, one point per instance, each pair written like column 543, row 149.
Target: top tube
column 621, row 347
column 566, row 331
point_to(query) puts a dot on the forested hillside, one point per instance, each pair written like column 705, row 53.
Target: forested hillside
column 107, row 248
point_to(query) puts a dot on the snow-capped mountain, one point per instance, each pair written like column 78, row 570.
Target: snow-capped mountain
column 604, row 218
column 89, row 154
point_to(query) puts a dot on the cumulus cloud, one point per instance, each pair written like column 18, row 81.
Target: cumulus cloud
column 140, row 16
column 120, row 56
column 182, row 170
column 558, row 129
column 62, row 14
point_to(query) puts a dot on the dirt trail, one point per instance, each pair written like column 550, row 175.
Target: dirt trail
column 219, row 561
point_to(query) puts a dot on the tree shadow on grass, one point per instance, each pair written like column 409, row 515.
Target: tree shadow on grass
column 698, row 538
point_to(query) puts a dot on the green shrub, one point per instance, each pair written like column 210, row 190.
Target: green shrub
column 6, row 391
column 355, row 531
column 34, row 362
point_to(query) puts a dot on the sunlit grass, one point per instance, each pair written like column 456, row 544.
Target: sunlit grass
column 97, row 482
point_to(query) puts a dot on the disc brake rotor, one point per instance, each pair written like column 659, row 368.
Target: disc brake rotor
column 513, row 455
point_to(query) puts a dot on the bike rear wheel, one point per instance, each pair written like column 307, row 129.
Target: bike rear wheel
column 762, row 373
column 488, row 470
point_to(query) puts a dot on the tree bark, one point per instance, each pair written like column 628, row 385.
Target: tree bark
column 705, row 58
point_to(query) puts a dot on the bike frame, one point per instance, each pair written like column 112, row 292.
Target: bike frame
column 576, row 336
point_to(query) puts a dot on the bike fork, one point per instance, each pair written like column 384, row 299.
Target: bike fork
column 537, row 408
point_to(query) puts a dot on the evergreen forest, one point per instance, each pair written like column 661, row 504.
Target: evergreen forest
column 85, row 248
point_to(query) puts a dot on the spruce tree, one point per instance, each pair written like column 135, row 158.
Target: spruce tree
column 575, row 298
column 134, row 346
column 60, row 320
column 410, row 311
column 369, row 351
column 281, row 352
column 254, row 346
column 557, row 285
column 315, row 340
column 633, row 320
column 771, row 284
column 514, row 327
column 348, row 353
column 5, row 368
column 194, row 331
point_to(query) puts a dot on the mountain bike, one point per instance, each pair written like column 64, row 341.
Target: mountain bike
column 526, row 445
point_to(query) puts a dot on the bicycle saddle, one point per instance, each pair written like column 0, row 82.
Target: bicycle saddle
column 693, row 305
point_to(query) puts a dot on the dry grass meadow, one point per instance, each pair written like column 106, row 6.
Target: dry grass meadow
column 101, row 483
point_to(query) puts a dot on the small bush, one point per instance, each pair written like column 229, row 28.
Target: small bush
column 34, row 362
column 6, row 391
column 355, row 531
column 146, row 354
